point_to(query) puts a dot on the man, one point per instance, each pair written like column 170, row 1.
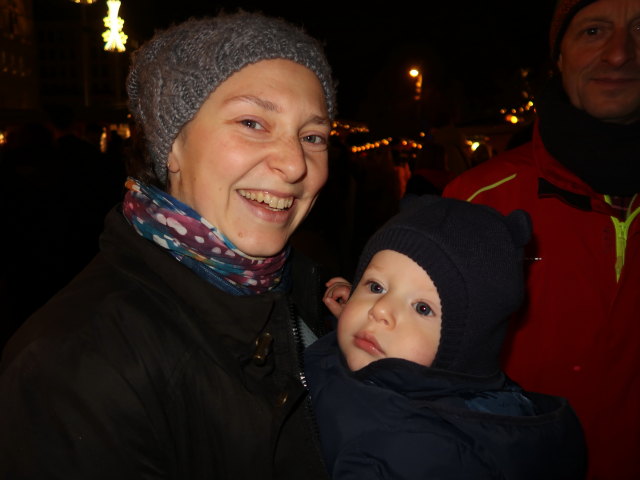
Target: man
column 578, row 336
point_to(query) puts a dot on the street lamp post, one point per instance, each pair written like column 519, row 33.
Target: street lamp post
column 84, row 46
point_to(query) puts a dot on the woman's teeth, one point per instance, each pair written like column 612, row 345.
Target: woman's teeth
column 276, row 203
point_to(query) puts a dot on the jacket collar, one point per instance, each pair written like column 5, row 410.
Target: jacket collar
column 244, row 316
column 555, row 180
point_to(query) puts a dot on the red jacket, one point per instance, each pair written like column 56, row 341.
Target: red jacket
column 578, row 334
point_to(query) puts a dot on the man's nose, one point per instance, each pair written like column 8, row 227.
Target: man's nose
column 620, row 48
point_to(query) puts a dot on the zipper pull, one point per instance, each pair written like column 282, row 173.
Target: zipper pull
column 263, row 348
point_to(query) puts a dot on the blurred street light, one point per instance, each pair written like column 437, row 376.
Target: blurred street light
column 114, row 37
column 417, row 74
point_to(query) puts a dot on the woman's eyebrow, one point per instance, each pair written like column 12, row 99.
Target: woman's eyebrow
column 260, row 102
column 273, row 107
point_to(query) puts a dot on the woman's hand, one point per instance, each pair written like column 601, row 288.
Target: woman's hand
column 337, row 294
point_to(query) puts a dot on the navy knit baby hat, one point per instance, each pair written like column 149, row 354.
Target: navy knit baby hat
column 474, row 256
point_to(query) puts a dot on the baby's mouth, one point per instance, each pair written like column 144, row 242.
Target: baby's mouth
column 269, row 200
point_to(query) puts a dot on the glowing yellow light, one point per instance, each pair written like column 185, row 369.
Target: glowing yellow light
column 417, row 74
column 474, row 146
column 3, row 139
column 512, row 119
column 114, row 37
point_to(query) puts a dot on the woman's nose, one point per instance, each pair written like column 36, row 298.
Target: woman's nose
column 288, row 160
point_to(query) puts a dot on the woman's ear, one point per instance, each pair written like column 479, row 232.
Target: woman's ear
column 176, row 155
column 173, row 163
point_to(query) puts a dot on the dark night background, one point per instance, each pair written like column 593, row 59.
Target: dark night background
column 472, row 55
column 471, row 52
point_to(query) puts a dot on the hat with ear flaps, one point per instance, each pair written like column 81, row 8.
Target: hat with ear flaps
column 564, row 12
column 474, row 256
column 172, row 74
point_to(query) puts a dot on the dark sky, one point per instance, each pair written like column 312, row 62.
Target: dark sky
column 476, row 44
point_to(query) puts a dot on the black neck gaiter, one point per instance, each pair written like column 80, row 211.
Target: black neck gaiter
column 606, row 156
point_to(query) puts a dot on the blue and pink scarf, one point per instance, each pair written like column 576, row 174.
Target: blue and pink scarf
column 196, row 243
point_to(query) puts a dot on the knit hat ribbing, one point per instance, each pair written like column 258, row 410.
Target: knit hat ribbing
column 473, row 255
column 173, row 74
column 563, row 14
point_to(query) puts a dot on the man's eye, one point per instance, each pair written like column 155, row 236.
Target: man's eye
column 375, row 287
column 423, row 309
column 591, row 31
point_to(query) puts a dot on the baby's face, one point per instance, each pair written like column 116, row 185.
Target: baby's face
column 394, row 312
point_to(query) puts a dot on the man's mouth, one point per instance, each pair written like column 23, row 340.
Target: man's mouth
column 269, row 200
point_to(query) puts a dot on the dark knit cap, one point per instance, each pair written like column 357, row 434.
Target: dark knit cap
column 563, row 14
column 173, row 73
column 473, row 255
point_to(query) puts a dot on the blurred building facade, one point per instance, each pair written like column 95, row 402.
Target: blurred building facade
column 18, row 60
column 51, row 54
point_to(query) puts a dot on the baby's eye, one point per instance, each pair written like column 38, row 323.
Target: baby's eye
column 375, row 287
column 423, row 309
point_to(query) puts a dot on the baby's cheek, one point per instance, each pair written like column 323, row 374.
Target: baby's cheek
column 422, row 353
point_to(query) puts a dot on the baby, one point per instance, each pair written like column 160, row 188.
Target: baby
column 409, row 385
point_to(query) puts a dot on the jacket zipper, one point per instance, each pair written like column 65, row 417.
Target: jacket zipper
column 299, row 344
column 308, row 407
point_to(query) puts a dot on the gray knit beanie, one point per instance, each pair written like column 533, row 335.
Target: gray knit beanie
column 474, row 256
column 172, row 75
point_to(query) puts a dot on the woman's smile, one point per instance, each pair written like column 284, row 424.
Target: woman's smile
column 273, row 202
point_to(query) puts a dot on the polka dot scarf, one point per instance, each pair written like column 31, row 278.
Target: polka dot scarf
column 175, row 226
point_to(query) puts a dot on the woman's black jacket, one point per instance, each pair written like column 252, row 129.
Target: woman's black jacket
column 140, row 369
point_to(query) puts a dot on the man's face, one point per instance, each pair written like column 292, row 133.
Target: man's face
column 600, row 60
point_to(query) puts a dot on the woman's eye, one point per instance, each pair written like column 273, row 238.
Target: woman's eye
column 423, row 309
column 251, row 124
column 317, row 139
column 375, row 287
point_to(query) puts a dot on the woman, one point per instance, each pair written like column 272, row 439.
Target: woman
column 175, row 353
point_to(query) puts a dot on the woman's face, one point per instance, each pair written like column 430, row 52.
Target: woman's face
column 254, row 157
